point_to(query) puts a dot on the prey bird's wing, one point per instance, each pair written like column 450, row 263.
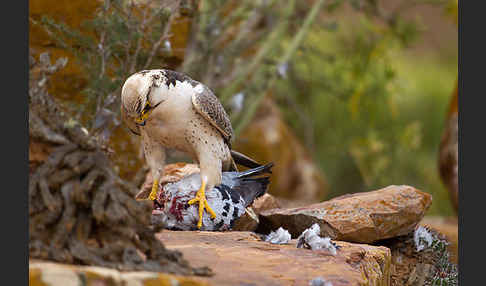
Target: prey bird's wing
column 129, row 122
column 208, row 105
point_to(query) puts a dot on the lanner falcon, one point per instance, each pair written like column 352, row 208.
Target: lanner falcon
column 171, row 110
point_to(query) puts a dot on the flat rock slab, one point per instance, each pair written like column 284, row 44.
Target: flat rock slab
column 362, row 217
column 241, row 258
column 43, row 273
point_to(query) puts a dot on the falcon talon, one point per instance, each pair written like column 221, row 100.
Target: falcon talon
column 153, row 193
column 203, row 204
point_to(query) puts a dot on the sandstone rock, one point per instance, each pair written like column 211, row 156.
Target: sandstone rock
column 265, row 202
column 242, row 258
column 293, row 203
column 362, row 217
column 269, row 139
column 43, row 273
column 449, row 228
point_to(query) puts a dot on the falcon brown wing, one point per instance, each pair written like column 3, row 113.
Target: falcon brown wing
column 208, row 105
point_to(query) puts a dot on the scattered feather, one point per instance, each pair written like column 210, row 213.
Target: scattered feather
column 310, row 239
column 281, row 236
column 423, row 238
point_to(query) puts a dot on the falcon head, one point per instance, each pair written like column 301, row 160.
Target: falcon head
column 138, row 97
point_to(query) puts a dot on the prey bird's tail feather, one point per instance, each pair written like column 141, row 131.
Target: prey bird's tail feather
column 259, row 170
column 251, row 187
column 241, row 159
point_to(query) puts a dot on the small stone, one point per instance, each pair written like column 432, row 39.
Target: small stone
column 319, row 281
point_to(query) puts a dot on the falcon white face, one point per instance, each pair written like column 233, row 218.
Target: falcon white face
column 138, row 97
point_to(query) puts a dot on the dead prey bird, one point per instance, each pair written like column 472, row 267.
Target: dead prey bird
column 228, row 200
column 168, row 109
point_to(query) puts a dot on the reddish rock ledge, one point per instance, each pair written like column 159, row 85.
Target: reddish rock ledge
column 236, row 258
column 242, row 258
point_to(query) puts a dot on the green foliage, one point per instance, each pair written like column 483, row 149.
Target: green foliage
column 372, row 116
column 247, row 63
column 119, row 40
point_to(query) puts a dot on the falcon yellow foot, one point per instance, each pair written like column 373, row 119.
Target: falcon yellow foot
column 203, row 203
column 153, row 193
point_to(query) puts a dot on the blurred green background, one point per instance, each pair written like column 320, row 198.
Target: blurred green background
column 364, row 84
column 371, row 105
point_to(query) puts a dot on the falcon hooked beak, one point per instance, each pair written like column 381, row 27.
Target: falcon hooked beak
column 140, row 121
